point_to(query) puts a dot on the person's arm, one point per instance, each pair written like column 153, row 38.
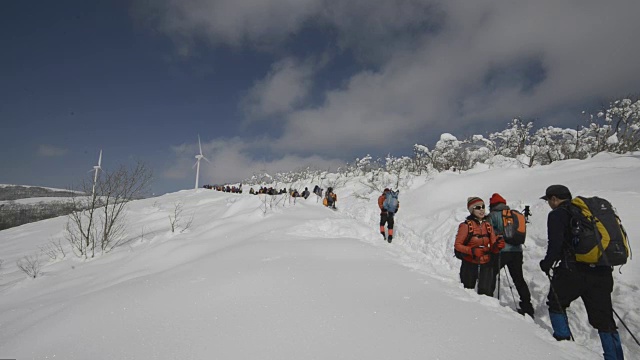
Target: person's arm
column 557, row 223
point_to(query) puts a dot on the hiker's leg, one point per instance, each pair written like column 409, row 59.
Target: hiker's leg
column 597, row 301
column 611, row 345
column 468, row 274
column 514, row 265
column 383, row 221
column 486, row 279
column 566, row 286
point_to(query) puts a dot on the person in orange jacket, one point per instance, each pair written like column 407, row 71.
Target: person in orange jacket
column 475, row 243
column 386, row 215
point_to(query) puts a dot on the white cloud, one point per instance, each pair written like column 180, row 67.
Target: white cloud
column 51, row 151
column 228, row 21
column 235, row 159
column 437, row 65
column 287, row 85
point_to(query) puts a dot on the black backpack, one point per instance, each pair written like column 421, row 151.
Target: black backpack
column 598, row 235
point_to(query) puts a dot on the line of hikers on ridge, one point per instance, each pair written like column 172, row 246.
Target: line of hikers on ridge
column 225, row 188
column 578, row 262
column 329, row 200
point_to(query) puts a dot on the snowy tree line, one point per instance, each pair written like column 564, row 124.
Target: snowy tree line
column 614, row 129
column 15, row 214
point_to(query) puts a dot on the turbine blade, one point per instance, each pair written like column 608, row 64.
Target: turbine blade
column 206, row 159
column 194, row 165
column 100, row 158
column 199, row 144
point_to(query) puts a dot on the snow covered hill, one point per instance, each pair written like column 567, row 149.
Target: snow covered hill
column 252, row 279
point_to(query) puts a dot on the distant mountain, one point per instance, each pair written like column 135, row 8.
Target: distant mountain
column 21, row 204
column 15, row 192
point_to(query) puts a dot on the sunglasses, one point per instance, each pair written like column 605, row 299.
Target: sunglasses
column 478, row 207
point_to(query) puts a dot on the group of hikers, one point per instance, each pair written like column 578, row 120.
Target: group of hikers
column 268, row 191
column 329, row 199
column 487, row 243
column 225, row 188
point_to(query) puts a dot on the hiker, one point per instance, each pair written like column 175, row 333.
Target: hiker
column 330, row 198
column 305, row 194
column 511, row 255
column 317, row 190
column 527, row 212
column 572, row 279
column 475, row 242
column 389, row 205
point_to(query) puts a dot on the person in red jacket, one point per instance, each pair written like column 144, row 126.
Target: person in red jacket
column 476, row 242
column 386, row 217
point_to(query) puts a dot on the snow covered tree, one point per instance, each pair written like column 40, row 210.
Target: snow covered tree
column 477, row 149
column 512, row 141
column 448, row 153
column 620, row 131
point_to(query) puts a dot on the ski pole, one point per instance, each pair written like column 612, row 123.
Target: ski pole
column 499, row 263
column 625, row 326
column 509, row 282
column 564, row 312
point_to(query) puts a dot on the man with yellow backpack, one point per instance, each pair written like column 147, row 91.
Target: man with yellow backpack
column 585, row 241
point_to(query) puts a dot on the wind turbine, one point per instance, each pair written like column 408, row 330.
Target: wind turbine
column 95, row 176
column 198, row 158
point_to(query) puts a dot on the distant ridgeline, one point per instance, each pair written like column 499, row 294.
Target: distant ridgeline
column 15, row 213
column 15, row 192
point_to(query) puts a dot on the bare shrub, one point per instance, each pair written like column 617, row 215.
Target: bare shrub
column 30, row 265
column 53, row 250
column 102, row 225
column 177, row 221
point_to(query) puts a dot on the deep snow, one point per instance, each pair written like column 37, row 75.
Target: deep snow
column 303, row 282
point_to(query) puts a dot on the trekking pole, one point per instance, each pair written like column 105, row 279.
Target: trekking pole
column 499, row 260
column 564, row 312
column 509, row 282
column 625, row 326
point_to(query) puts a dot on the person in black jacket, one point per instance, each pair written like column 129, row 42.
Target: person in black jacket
column 571, row 279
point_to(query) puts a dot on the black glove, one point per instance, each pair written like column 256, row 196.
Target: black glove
column 545, row 266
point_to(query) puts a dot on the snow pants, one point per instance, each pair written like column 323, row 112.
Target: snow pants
column 593, row 284
column 513, row 261
column 484, row 275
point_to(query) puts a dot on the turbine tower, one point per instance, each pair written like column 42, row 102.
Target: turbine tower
column 197, row 164
column 95, row 176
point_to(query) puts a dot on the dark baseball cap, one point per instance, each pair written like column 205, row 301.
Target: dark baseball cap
column 559, row 191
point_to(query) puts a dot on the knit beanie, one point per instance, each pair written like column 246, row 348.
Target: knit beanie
column 473, row 201
column 497, row 199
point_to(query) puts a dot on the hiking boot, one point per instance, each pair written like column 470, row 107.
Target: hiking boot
column 390, row 238
column 561, row 338
column 525, row 308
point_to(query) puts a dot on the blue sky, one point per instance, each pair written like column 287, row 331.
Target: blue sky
column 279, row 84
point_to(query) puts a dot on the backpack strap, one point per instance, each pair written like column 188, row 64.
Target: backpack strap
column 470, row 233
